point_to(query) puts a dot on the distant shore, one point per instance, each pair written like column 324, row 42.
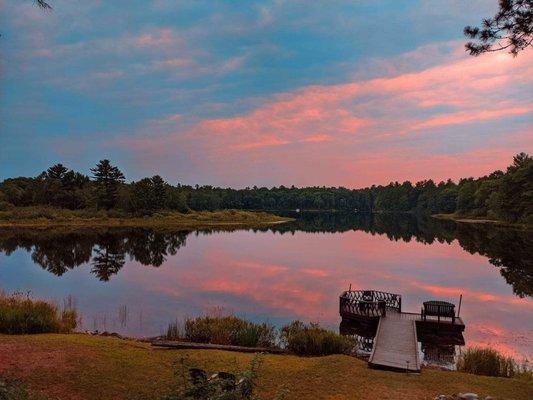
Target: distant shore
column 42, row 217
column 473, row 220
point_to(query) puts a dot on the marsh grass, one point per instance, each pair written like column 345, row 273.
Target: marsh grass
column 20, row 314
column 313, row 340
column 42, row 216
column 229, row 330
column 489, row 362
column 174, row 331
column 297, row 337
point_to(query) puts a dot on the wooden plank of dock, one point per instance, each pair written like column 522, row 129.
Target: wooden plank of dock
column 395, row 344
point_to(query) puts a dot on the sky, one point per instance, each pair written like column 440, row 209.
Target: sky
column 266, row 93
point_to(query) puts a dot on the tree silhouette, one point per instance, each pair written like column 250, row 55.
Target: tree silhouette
column 43, row 4
column 56, row 171
column 510, row 29
column 107, row 179
column 109, row 257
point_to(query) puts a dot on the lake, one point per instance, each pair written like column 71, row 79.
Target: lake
column 136, row 281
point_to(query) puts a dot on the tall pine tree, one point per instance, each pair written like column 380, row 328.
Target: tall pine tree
column 107, row 180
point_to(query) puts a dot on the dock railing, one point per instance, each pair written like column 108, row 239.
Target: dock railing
column 368, row 303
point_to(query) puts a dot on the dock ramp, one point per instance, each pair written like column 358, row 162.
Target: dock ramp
column 395, row 345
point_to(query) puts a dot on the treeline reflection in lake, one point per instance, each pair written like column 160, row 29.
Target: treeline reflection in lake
column 106, row 250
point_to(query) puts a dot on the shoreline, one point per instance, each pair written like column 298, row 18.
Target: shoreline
column 479, row 221
column 193, row 220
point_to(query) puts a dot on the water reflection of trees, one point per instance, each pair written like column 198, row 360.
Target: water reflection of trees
column 104, row 250
column 510, row 250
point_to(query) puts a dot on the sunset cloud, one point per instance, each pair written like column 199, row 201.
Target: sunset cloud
column 399, row 118
column 260, row 94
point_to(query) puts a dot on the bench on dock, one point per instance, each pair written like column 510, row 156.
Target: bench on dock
column 439, row 309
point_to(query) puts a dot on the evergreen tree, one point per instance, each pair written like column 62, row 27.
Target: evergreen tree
column 510, row 29
column 160, row 192
column 56, row 171
column 107, row 179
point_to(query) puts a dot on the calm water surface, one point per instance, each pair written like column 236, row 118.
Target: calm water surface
column 136, row 281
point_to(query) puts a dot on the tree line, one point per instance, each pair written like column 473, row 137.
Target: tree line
column 503, row 195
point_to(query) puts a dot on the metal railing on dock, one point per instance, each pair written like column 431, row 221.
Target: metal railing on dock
column 368, row 303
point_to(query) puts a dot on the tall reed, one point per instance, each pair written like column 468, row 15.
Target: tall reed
column 20, row 314
column 487, row 361
column 229, row 330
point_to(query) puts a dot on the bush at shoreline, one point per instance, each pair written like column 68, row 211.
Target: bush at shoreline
column 298, row 337
column 229, row 330
column 20, row 314
column 313, row 340
column 489, row 362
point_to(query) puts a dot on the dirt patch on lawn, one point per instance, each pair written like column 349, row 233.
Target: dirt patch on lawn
column 31, row 362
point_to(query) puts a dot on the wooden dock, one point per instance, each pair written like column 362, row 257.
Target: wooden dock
column 396, row 344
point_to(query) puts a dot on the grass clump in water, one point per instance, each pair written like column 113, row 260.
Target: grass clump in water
column 228, row 330
column 20, row 314
column 489, row 362
column 312, row 340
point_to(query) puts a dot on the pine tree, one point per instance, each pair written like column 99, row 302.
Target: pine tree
column 56, row 171
column 107, row 180
column 160, row 192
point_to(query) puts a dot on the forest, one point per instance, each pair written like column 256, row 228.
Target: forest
column 502, row 195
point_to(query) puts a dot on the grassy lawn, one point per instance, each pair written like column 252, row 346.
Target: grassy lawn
column 78, row 366
column 45, row 217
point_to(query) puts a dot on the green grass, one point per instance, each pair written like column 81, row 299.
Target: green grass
column 20, row 314
column 84, row 367
column 487, row 361
column 49, row 217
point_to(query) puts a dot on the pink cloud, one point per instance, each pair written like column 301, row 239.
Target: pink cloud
column 363, row 132
column 159, row 38
column 466, row 117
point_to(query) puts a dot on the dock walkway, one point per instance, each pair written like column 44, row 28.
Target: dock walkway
column 395, row 345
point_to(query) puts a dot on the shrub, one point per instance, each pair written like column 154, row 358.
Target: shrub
column 19, row 314
column 69, row 321
column 312, row 340
column 173, row 331
column 11, row 389
column 194, row 384
column 229, row 330
column 487, row 361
